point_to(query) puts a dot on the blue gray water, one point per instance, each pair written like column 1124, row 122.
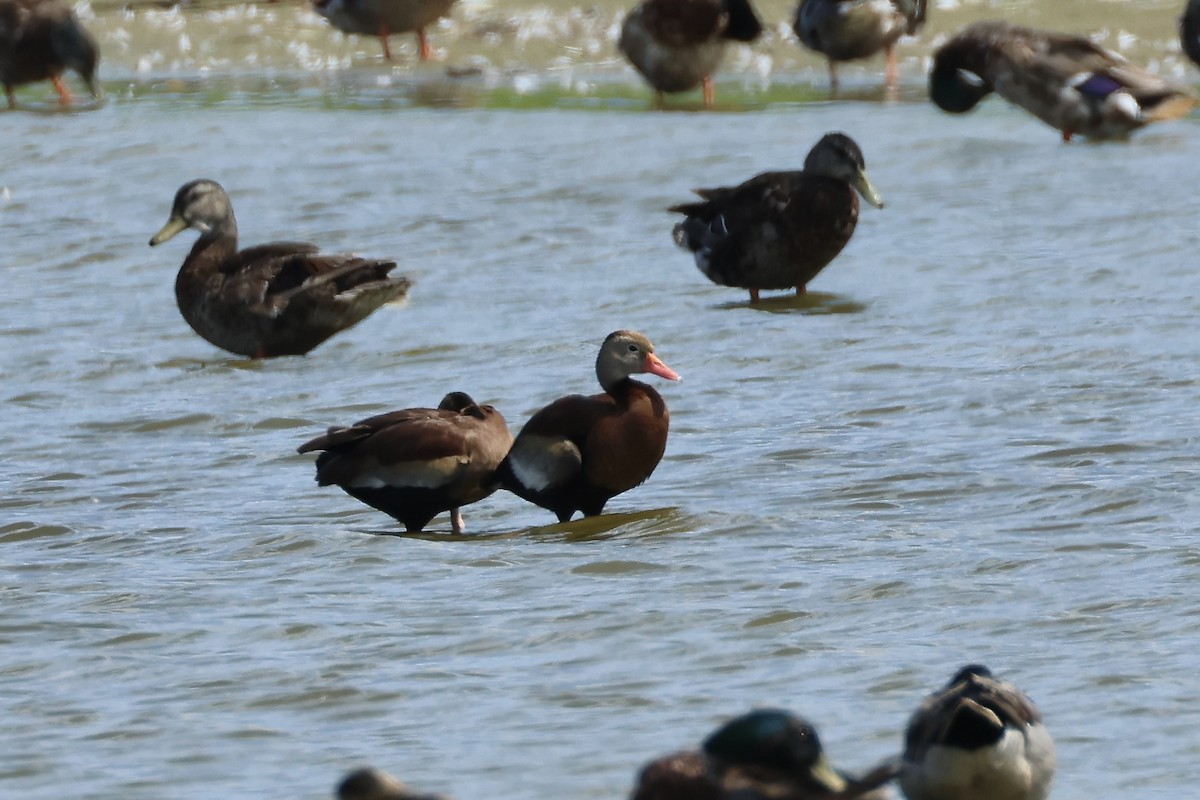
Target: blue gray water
column 976, row 440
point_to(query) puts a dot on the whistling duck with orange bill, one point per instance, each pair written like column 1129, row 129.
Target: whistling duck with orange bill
column 416, row 463
column 847, row 30
column 1066, row 81
column 41, row 39
column 677, row 45
column 369, row 783
column 767, row 754
column 276, row 299
column 779, row 229
column 977, row 737
column 383, row 18
column 579, row 452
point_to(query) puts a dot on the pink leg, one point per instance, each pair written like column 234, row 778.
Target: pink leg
column 456, row 521
column 710, row 91
column 891, row 75
column 64, row 94
column 423, row 48
column 753, row 296
column 383, row 37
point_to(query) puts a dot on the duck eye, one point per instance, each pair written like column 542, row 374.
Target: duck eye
column 633, row 348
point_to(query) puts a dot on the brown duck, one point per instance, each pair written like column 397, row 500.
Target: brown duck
column 382, row 18
column 847, row 30
column 416, row 463
column 41, row 39
column 677, row 45
column 767, row 754
column 276, row 299
column 579, row 452
column 779, row 229
column 1069, row 82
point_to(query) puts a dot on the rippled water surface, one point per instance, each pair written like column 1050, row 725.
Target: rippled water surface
column 975, row 440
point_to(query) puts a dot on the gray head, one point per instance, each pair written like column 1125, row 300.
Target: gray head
column 373, row 784
column 200, row 204
column 626, row 353
column 838, row 156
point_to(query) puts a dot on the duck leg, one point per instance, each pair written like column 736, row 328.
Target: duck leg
column 833, row 79
column 383, row 37
column 12, row 98
column 64, row 94
column 423, row 49
column 891, row 73
column 801, row 290
column 753, row 296
column 710, row 91
column 456, row 521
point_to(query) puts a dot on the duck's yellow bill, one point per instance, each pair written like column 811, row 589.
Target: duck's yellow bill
column 174, row 225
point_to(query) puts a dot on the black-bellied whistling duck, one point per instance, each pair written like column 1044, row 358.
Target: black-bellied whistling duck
column 383, row 18
column 416, row 463
column 276, row 299
column 977, row 737
column 41, row 39
column 1069, row 82
column 677, row 45
column 847, row 30
column 765, row 754
column 369, row 783
column 578, row 452
column 779, row 229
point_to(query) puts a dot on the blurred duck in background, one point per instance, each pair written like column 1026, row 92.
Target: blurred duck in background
column 677, row 45
column 383, row 18
column 40, row 40
column 1068, row 82
column 847, row 30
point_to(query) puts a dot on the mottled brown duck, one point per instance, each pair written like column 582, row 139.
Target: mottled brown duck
column 677, row 45
column 416, row 463
column 277, row 299
column 779, row 229
column 977, row 737
column 40, row 40
column 383, row 18
column 579, row 452
column 766, row 754
column 369, row 783
column 848, row 30
column 1070, row 83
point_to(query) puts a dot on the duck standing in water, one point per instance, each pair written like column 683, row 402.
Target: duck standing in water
column 677, row 45
column 579, row 452
column 276, row 299
column 977, row 737
column 383, row 18
column 1068, row 82
column 763, row 755
column 416, row 463
column 779, row 229
column 41, row 39
column 847, row 30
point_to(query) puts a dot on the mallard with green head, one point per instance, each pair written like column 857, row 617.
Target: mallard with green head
column 847, row 30
column 277, row 299
column 677, row 45
column 765, row 754
column 40, row 40
column 369, row 783
column 978, row 737
column 383, row 18
column 779, row 229
column 1068, row 82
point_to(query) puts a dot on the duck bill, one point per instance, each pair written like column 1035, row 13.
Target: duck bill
column 863, row 186
column 174, row 225
column 655, row 366
column 824, row 773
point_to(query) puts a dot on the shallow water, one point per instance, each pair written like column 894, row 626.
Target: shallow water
column 975, row 440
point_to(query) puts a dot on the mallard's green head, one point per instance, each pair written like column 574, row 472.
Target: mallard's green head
column 955, row 83
column 775, row 740
column 838, row 156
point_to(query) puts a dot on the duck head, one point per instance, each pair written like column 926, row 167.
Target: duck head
column 838, row 156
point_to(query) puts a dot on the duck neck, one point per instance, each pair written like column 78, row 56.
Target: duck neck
column 215, row 246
